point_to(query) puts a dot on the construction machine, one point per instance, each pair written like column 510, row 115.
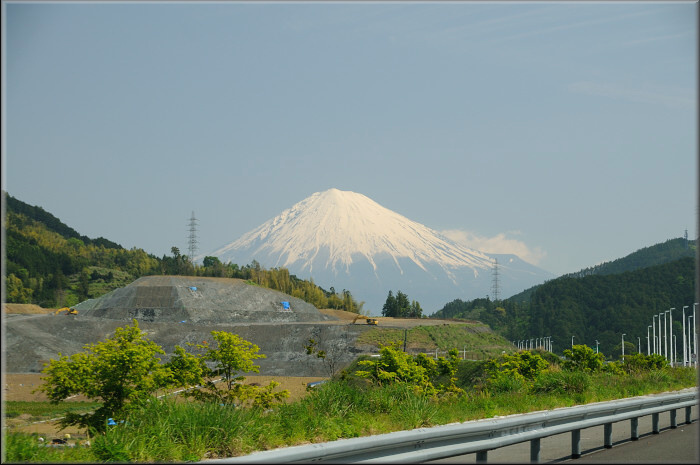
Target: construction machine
column 370, row 321
column 66, row 311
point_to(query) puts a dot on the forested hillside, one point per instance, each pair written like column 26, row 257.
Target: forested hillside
column 50, row 264
column 596, row 307
column 657, row 254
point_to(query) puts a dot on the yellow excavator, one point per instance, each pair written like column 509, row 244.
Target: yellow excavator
column 66, row 311
column 370, row 321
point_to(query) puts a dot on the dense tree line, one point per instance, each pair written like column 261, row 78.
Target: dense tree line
column 50, row 264
column 658, row 254
column 400, row 307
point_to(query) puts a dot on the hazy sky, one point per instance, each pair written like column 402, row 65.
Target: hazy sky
column 565, row 133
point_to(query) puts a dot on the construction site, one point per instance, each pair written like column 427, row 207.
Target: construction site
column 177, row 310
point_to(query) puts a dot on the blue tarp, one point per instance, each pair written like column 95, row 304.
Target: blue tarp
column 285, row 305
column 193, row 288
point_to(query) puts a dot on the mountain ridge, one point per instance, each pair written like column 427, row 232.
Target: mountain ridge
column 657, row 254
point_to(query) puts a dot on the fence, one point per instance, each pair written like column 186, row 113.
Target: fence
column 480, row 436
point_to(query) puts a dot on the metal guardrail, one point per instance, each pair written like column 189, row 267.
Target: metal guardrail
column 480, row 436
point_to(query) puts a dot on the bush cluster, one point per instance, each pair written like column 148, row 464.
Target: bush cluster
column 395, row 391
column 424, row 374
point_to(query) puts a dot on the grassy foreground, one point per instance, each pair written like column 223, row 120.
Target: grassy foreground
column 175, row 431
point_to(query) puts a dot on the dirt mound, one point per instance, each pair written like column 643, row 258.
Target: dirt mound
column 199, row 300
column 339, row 314
column 25, row 309
column 177, row 310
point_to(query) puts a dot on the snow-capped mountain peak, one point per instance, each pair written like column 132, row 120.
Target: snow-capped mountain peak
column 341, row 227
column 343, row 239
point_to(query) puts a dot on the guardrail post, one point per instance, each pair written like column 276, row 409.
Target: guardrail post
column 576, row 444
column 535, row 450
column 607, row 434
column 687, row 415
column 655, row 423
column 674, row 424
column 481, row 456
column 634, row 426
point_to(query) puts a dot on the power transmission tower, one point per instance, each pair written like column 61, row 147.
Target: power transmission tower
column 192, row 242
column 495, row 286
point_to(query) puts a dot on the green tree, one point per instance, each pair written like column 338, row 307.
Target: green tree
column 403, row 305
column 221, row 366
column 15, row 290
column 416, row 310
column 84, row 284
column 390, row 307
column 121, row 372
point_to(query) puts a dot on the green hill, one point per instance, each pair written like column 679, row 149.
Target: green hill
column 658, row 254
column 598, row 303
column 603, row 307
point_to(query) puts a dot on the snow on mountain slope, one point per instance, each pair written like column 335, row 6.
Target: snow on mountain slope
column 345, row 239
column 348, row 224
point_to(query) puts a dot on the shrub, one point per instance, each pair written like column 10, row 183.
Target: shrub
column 393, row 366
column 561, row 382
column 583, row 358
column 521, row 367
column 502, row 382
column 231, row 355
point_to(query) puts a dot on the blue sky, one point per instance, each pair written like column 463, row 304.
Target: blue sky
column 562, row 132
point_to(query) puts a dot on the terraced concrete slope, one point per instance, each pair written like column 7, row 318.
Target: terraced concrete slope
column 179, row 310
column 200, row 300
column 32, row 340
column 176, row 310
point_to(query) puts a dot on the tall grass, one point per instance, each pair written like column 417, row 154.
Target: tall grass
column 174, row 431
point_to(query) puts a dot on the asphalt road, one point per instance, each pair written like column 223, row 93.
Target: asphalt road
column 679, row 445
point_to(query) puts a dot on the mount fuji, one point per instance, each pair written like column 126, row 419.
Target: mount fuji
column 346, row 240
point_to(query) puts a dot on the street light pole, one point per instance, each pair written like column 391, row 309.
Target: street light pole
column 623, row 346
column 695, row 336
column 572, row 341
column 685, row 350
column 665, row 335
column 690, row 342
column 648, row 347
column 674, row 340
column 661, row 349
column 596, row 346
column 639, row 344
column 671, row 347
